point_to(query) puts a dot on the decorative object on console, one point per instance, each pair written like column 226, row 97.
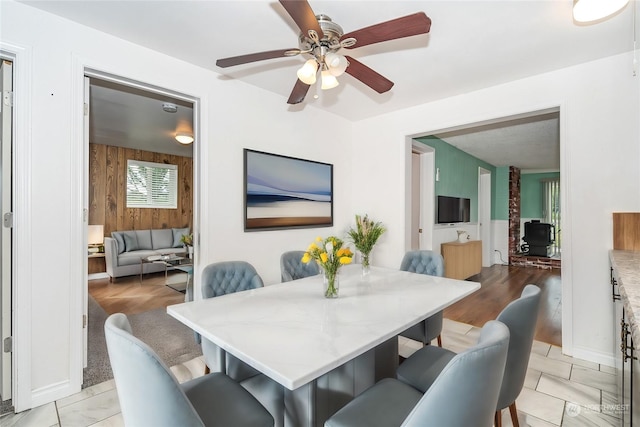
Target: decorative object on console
column 95, row 237
column 330, row 256
column 364, row 238
column 463, row 236
column 285, row 192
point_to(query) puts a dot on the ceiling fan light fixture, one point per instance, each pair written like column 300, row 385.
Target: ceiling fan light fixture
column 329, row 81
column 594, row 10
column 307, row 73
column 337, row 64
column 183, row 138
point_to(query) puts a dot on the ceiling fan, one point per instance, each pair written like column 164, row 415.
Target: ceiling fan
column 321, row 38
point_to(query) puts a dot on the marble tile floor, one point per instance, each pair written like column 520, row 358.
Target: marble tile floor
column 558, row 391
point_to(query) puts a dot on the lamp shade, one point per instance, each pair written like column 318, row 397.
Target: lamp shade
column 95, row 234
column 329, row 81
column 337, row 64
column 593, row 10
column 307, row 73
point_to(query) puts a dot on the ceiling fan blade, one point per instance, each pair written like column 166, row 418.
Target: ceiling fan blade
column 366, row 75
column 303, row 16
column 253, row 57
column 407, row 26
column 298, row 93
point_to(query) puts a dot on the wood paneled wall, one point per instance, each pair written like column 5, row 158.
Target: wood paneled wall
column 107, row 191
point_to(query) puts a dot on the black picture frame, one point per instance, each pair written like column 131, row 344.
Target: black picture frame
column 282, row 192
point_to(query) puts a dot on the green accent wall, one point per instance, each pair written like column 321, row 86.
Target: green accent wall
column 531, row 193
column 501, row 196
column 459, row 173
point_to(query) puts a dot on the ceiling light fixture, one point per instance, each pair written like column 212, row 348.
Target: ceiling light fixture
column 183, row 138
column 594, row 10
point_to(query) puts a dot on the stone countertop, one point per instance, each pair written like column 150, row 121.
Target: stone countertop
column 627, row 267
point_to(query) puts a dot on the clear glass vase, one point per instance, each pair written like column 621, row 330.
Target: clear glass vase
column 366, row 264
column 331, row 282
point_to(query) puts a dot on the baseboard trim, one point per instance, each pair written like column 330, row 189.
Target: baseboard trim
column 51, row 393
column 96, row 276
column 608, row 359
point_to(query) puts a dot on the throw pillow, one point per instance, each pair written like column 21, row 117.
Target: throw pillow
column 131, row 241
column 177, row 236
column 119, row 241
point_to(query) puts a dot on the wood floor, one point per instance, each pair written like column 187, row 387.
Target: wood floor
column 127, row 295
column 500, row 285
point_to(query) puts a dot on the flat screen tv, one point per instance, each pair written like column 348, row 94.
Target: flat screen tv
column 453, row 209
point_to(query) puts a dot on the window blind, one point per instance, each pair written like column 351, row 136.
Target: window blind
column 152, row 185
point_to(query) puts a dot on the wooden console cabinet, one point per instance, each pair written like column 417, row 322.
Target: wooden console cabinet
column 462, row 260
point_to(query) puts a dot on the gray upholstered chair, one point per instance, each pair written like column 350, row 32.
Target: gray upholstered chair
column 431, row 264
column 224, row 278
column 292, row 267
column 464, row 393
column 423, row 367
column 149, row 393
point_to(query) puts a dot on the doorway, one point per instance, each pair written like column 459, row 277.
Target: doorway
column 131, row 123
column 422, row 195
column 485, row 232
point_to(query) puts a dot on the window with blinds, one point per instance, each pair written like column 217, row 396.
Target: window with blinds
column 152, row 185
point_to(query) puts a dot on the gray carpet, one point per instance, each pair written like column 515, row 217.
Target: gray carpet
column 171, row 340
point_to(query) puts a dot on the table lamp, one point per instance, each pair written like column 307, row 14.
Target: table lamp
column 95, row 234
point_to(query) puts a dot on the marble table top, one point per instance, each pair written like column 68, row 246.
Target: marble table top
column 627, row 266
column 293, row 334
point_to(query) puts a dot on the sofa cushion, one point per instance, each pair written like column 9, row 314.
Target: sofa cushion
column 162, row 238
column 130, row 241
column 177, row 236
column 144, row 239
column 119, row 238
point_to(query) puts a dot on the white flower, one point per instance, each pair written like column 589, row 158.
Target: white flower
column 329, row 248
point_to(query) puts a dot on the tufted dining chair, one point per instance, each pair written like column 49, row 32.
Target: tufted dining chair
column 225, row 278
column 431, row 264
column 520, row 316
column 292, row 267
column 149, row 393
column 464, row 393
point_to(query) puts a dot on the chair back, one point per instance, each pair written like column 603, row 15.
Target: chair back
column 423, row 262
column 148, row 392
column 431, row 264
column 292, row 267
column 227, row 277
column 223, row 278
column 466, row 391
column 520, row 316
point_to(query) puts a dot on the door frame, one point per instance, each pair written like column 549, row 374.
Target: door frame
column 22, row 262
column 82, row 70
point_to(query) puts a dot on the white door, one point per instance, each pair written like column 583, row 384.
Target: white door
column 484, row 215
column 5, row 240
column 416, row 229
column 85, row 204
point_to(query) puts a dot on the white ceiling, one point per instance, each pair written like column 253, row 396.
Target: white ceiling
column 472, row 45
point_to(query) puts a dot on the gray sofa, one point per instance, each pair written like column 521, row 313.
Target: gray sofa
column 124, row 249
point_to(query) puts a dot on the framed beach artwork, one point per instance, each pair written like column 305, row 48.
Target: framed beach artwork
column 284, row 192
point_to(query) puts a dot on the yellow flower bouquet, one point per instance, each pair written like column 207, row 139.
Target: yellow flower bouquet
column 329, row 254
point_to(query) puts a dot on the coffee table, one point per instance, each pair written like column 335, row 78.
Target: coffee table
column 178, row 261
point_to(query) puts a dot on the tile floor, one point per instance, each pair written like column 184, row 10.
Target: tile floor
column 558, row 391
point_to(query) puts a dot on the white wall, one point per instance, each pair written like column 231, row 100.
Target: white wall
column 599, row 110
column 233, row 116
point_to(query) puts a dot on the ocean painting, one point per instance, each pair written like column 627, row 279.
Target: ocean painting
column 285, row 192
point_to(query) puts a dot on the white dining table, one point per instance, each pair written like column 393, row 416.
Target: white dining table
column 322, row 351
